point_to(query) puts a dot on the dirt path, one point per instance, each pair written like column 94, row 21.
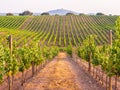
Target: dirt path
column 61, row 74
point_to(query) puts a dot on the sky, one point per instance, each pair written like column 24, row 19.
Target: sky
column 80, row 6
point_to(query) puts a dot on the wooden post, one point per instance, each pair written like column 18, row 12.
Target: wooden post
column 110, row 83
column 33, row 68
column 116, row 77
column 110, row 37
column 10, row 43
column 93, row 70
column 110, row 42
column 102, row 78
column 89, row 63
column 106, row 82
column 23, row 78
column 10, row 81
column 96, row 74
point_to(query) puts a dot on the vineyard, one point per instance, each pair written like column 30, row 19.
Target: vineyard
column 30, row 42
column 57, row 30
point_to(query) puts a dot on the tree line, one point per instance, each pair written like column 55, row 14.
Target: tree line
column 29, row 13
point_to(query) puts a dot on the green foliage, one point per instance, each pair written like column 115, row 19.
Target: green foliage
column 95, row 58
column 80, row 52
column 88, row 47
column 11, row 22
column 22, row 57
column 62, row 49
column 38, row 28
column 2, row 63
column 118, row 26
column 55, row 50
column 108, row 57
column 56, row 30
column 50, row 52
column 69, row 50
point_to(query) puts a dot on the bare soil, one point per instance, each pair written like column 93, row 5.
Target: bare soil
column 62, row 74
column 1, row 33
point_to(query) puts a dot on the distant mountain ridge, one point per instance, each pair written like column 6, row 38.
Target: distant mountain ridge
column 61, row 12
column 51, row 12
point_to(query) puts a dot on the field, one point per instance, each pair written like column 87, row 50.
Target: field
column 52, row 52
column 56, row 30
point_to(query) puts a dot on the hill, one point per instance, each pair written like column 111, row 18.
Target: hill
column 58, row 30
column 61, row 12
